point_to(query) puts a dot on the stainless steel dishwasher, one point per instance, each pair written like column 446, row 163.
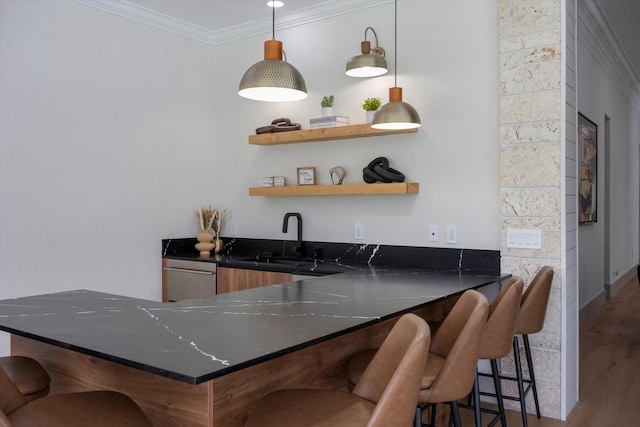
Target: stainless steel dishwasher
column 188, row 279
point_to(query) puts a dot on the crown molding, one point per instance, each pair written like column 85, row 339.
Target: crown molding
column 595, row 31
column 323, row 10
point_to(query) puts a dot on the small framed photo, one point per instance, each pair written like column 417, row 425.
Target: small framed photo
column 307, row 175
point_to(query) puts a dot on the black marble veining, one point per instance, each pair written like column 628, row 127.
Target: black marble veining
column 328, row 258
column 196, row 340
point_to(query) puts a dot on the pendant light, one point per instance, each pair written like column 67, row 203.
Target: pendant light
column 273, row 79
column 371, row 63
column 396, row 114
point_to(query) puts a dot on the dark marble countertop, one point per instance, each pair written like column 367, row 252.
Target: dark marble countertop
column 323, row 258
column 197, row 340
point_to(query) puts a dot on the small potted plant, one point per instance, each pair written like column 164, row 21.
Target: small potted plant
column 327, row 105
column 371, row 105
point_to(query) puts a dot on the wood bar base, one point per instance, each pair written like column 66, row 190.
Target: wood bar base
column 221, row 402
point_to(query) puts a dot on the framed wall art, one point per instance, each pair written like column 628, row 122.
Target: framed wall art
column 587, row 170
column 307, row 175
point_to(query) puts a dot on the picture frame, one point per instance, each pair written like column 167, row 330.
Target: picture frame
column 587, row 170
column 307, row 175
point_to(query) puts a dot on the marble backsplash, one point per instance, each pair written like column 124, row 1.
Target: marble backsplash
column 469, row 260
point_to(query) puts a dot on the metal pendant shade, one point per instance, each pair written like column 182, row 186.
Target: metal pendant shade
column 396, row 114
column 370, row 63
column 273, row 79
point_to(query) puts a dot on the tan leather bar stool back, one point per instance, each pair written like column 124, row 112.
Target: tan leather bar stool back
column 86, row 409
column 496, row 343
column 28, row 375
column 385, row 396
column 533, row 309
column 530, row 320
column 451, row 365
column 453, row 357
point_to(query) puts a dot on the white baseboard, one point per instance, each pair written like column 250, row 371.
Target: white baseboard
column 613, row 288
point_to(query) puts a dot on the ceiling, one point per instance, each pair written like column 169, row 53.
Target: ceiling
column 217, row 15
column 624, row 18
column 220, row 16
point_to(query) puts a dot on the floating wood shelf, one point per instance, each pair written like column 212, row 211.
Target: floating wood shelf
column 323, row 134
column 328, row 190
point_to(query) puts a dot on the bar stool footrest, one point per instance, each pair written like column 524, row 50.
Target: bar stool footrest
column 496, row 414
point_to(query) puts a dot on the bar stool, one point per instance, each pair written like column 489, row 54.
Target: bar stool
column 386, row 396
column 451, row 365
column 86, row 409
column 28, row 375
column 496, row 344
column 530, row 320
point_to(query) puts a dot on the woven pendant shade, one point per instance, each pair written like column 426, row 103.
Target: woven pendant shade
column 272, row 79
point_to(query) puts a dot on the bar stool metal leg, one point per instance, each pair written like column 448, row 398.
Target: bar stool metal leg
column 417, row 422
column 498, row 388
column 455, row 414
column 476, row 401
column 433, row 414
column 532, row 376
column 523, row 402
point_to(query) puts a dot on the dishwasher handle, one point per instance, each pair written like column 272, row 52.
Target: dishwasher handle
column 186, row 270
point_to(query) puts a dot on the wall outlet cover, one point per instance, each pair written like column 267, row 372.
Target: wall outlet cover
column 433, row 233
column 452, row 234
column 358, row 231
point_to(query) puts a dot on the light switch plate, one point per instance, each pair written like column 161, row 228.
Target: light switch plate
column 524, row 239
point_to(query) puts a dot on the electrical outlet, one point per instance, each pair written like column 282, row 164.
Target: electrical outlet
column 452, row 234
column 233, row 229
column 358, row 231
column 433, row 233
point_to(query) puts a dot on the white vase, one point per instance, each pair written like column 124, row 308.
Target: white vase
column 370, row 115
column 327, row 111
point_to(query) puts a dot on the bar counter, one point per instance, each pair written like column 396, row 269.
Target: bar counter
column 202, row 362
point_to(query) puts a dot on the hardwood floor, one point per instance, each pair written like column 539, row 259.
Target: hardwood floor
column 609, row 369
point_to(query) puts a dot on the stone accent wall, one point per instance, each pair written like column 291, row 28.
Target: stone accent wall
column 531, row 170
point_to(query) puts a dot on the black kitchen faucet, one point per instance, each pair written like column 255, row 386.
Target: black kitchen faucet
column 299, row 248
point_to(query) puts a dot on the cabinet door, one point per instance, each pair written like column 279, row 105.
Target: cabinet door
column 237, row 279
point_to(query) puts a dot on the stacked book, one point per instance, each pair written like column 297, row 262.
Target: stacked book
column 328, row 121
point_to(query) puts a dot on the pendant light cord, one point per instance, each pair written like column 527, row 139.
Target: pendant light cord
column 395, row 43
column 273, row 23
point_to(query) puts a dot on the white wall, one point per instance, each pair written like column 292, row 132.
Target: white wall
column 598, row 96
column 107, row 146
column 448, row 70
column 112, row 132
